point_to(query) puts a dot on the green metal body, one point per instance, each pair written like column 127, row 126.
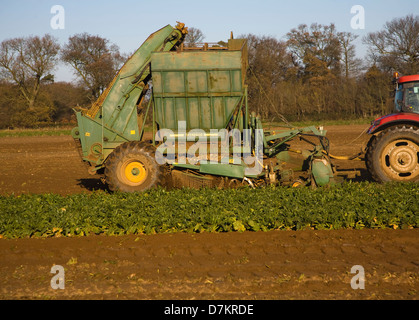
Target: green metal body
column 203, row 88
column 112, row 120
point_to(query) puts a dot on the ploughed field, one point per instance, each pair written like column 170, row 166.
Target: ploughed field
column 272, row 264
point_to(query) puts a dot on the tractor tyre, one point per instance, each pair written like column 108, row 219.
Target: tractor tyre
column 393, row 155
column 132, row 167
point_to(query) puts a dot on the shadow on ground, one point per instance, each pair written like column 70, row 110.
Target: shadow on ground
column 93, row 184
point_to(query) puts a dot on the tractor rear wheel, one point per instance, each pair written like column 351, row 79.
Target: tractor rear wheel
column 393, row 155
column 132, row 167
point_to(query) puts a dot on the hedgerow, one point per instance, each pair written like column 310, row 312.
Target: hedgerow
column 345, row 206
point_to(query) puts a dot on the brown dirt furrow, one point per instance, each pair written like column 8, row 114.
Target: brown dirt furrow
column 215, row 266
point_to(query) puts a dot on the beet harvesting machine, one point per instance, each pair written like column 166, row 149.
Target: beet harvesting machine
column 194, row 102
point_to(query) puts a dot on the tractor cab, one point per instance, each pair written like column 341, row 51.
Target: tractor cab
column 392, row 152
column 407, row 93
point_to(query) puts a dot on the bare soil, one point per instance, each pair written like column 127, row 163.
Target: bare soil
column 251, row 265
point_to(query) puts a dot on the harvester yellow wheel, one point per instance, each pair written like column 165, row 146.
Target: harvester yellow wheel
column 132, row 167
column 133, row 172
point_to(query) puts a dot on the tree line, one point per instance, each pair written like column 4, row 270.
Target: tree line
column 313, row 74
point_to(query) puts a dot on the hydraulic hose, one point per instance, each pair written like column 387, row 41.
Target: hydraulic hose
column 353, row 157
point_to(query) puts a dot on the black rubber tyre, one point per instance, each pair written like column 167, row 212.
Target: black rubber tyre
column 393, row 155
column 132, row 167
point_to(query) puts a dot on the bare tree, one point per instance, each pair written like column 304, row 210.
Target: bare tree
column 28, row 62
column 268, row 57
column 396, row 47
column 314, row 47
column 269, row 62
column 351, row 63
column 193, row 37
column 94, row 60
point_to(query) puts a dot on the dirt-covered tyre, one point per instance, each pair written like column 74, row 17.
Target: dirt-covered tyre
column 132, row 167
column 393, row 155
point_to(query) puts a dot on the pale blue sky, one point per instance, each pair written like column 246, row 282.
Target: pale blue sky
column 128, row 23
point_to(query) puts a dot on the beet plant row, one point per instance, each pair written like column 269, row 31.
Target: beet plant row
column 345, row 206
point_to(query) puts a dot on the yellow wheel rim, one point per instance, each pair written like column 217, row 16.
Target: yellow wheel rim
column 135, row 172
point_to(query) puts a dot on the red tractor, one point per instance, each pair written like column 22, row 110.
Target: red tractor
column 393, row 150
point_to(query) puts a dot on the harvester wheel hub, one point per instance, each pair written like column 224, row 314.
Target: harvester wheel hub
column 401, row 157
column 134, row 172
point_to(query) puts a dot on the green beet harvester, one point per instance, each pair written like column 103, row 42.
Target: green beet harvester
column 181, row 90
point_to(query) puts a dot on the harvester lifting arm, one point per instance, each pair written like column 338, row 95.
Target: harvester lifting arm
column 112, row 119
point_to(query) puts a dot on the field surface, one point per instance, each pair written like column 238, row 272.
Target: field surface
column 307, row 264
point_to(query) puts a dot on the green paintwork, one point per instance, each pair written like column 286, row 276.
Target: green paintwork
column 205, row 88
column 113, row 119
column 223, row 169
column 218, row 169
column 322, row 172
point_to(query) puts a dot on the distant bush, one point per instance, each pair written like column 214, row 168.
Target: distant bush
column 53, row 106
